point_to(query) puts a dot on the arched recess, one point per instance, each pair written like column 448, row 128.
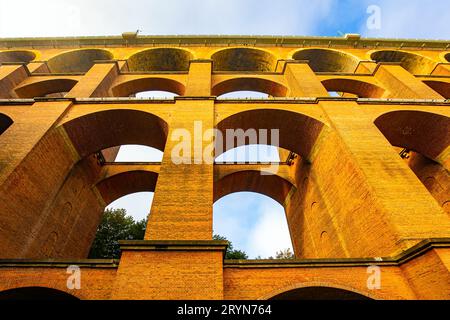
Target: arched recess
column 63, row 216
column 244, row 59
column 160, row 59
column 414, row 63
column 441, row 87
column 297, row 132
column 128, row 88
column 104, row 129
column 77, row 61
column 19, row 56
column 5, row 122
column 356, row 87
column 45, row 87
column 422, row 138
column 326, row 60
column 36, row 294
column 124, row 183
column 270, row 87
column 319, row 292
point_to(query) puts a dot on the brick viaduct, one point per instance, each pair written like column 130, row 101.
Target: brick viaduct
column 364, row 177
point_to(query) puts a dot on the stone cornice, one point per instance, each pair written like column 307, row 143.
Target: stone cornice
column 224, row 40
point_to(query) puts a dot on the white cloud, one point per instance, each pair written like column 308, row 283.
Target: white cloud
column 137, row 153
column 22, row 18
column 270, row 234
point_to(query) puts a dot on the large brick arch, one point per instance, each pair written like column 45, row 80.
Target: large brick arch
column 100, row 130
column 297, row 132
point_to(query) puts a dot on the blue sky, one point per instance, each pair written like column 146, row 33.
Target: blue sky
column 253, row 222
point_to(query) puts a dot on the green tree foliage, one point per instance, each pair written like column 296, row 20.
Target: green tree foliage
column 231, row 253
column 115, row 225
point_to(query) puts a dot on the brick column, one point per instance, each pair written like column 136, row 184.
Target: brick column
column 10, row 76
column 97, row 81
column 376, row 203
column 401, row 84
column 34, row 161
column 182, row 205
column 199, row 78
column 302, row 81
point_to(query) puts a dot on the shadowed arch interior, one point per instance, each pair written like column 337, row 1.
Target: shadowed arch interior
column 424, row 132
column 19, row 56
column 78, row 60
column 324, row 60
column 297, row 132
column 5, row 122
column 270, row 185
column 441, row 87
column 36, row 293
column 160, row 59
column 125, row 89
column 319, row 293
column 410, row 61
column 272, row 88
column 45, row 87
column 122, row 184
column 243, row 59
column 359, row 88
column 104, row 129
column 447, row 57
